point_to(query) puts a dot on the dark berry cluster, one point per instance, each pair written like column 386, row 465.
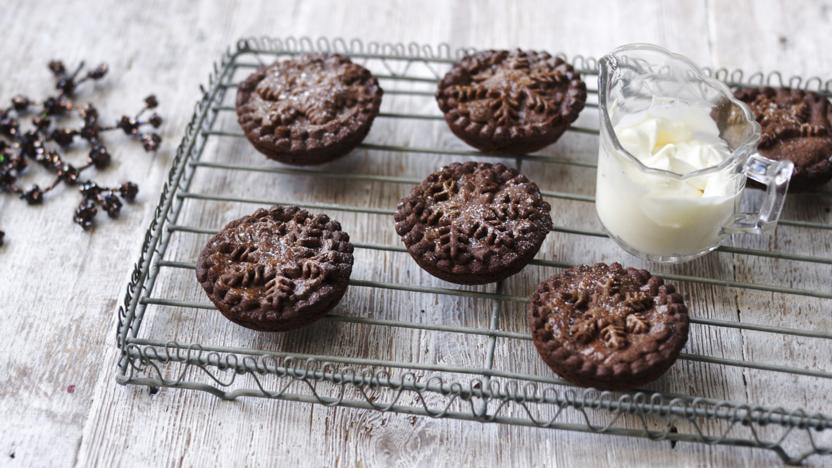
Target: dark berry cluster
column 44, row 142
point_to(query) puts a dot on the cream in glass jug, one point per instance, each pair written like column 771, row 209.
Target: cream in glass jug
column 676, row 148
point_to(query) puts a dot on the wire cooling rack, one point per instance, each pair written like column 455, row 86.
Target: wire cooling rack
column 163, row 303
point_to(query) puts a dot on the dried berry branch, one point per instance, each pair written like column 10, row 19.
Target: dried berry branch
column 45, row 143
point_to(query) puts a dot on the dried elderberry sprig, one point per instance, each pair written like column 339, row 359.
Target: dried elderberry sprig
column 45, row 141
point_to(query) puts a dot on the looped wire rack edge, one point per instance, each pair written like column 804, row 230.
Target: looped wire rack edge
column 429, row 390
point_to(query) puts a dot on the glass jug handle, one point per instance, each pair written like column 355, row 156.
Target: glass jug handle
column 775, row 175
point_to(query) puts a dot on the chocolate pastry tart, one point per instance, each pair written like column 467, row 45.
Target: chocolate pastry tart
column 308, row 110
column 276, row 269
column 473, row 223
column 608, row 327
column 510, row 101
column 797, row 126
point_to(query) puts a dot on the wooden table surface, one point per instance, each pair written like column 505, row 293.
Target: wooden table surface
column 59, row 286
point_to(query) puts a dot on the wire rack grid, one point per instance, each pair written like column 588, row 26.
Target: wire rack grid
column 475, row 390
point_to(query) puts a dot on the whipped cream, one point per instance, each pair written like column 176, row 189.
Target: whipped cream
column 657, row 213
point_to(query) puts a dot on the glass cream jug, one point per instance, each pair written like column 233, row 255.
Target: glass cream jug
column 657, row 211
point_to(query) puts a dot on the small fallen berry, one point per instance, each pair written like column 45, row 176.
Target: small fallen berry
column 33, row 196
column 129, row 190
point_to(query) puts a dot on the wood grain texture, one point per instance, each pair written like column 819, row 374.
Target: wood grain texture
column 60, row 286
